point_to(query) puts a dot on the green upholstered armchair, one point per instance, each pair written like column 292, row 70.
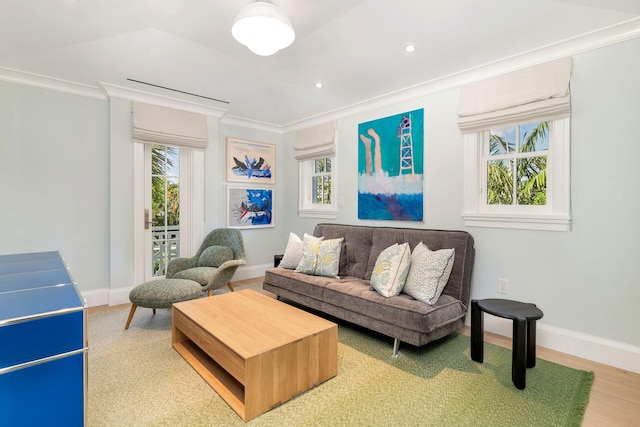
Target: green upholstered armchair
column 215, row 262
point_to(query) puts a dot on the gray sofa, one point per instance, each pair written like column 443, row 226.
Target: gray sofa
column 352, row 299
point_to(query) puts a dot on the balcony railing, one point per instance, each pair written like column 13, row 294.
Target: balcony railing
column 166, row 246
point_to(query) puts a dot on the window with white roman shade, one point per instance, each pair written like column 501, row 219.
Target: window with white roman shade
column 153, row 124
column 315, row 150
column 516, row 130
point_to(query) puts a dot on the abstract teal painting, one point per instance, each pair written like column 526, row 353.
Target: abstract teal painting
column 390, row 167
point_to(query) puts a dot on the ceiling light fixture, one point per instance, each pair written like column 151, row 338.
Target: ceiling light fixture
column 263, row 28
column 410, row 48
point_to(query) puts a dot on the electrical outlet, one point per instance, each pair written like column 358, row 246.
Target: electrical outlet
column 503, row 286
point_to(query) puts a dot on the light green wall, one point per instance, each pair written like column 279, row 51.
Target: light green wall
column 56, row 161
column 54, row 170
column 121, row 193
column 585, row 280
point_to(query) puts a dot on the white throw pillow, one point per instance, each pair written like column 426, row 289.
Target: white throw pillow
column 391, row 269
column 429, row 273
column 293, row 253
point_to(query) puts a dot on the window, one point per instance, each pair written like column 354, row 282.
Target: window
column 321, row 181
column 316, row 181
column 315, row 150
column 165, row 206
column 518, row 176
column 516, row 129
column 515, row 159
column 168, row 155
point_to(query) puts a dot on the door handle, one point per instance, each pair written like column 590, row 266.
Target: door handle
column 146, row 219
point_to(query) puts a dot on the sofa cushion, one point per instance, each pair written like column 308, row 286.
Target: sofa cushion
column 356, row 295
column 197, row 274
column 320, row 257
column 429, row 273
column 390, row 271
column 214, row 256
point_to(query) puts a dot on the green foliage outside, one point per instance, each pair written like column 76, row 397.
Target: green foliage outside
column 322, row 182
column 162, row 160
column 531, row 172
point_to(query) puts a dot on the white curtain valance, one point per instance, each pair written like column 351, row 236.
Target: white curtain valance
column 315, row 142
column 541, row 91
column 161, row 125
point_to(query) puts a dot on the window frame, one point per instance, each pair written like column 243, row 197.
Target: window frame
column 554, row 216
column 306, row 207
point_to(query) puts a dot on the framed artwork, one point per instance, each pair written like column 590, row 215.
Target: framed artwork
column 250, row 207
column 390, row 167
column 250, row 161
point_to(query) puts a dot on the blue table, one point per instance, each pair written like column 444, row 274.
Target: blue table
column 43, row 342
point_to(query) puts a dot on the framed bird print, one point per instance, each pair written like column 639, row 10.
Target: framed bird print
column 250, row 162
column 249, row 207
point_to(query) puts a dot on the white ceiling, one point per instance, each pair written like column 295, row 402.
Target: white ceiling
column 354, row 47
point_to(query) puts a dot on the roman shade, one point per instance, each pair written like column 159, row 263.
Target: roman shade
column 534, row 93
column 315, row 142
column 153, row 124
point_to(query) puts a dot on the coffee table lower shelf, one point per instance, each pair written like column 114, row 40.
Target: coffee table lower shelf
column 262, row 379
column 220, row 380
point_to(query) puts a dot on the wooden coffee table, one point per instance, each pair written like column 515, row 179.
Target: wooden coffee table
column 256, row 352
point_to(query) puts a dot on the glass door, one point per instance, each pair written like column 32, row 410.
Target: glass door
column 162, row 208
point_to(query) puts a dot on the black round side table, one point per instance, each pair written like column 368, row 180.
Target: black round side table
column 524, row 316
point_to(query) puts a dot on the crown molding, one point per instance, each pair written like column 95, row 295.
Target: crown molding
column 38, row 80
column 113, row 91
column 252, row 124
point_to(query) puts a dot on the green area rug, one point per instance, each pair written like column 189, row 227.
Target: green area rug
column 137, row 379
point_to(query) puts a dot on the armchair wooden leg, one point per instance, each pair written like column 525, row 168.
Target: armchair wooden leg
column 210, row 292
column 133, row 310
column 230, row 287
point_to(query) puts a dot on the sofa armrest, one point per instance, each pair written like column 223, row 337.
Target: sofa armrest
column 277, row 259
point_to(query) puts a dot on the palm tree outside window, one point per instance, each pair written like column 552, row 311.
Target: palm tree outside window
column 516, row 165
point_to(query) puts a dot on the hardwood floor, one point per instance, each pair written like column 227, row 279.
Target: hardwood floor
column 615, row 395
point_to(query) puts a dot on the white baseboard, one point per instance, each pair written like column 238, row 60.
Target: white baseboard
column 251, row 271
column 590, row 347
column 96, row 297
column 107, row 296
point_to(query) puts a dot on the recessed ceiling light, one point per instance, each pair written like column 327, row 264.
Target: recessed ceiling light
column 319, row 85
column 410, row 48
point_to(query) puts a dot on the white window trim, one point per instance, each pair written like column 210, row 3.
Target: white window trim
column 305, row 193
column 555, row 216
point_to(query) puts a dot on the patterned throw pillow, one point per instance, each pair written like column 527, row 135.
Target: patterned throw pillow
column 310, row 250
column 391, row 269
column 429, row 273
column 293, row 253
column 320, row 257
column 329, row 258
